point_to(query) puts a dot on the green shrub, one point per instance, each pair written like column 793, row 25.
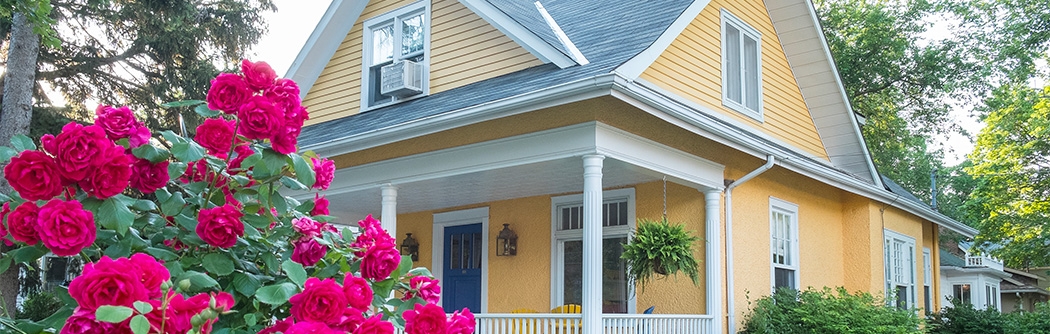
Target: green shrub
column 38, row 306
column 825, row 311
column 964, row 319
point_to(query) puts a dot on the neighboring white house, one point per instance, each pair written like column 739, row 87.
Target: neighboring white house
column 972, row 278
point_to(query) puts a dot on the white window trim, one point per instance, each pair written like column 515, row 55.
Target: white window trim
column 457, row 218
column 366, row 52
column 728, row 18
column 927, row 276
column 777, row 205
column 558, row 239
column 888, row 237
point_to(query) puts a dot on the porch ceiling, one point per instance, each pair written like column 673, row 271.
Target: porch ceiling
column 542, row 163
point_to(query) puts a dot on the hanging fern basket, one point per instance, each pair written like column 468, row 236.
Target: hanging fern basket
column 661, row 248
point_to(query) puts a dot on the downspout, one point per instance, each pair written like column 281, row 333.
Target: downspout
column 731, row 313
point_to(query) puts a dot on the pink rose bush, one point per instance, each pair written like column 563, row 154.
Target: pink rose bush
column 194, row 233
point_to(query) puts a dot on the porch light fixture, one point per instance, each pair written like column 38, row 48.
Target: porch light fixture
column 506, row 242
column 410, row 247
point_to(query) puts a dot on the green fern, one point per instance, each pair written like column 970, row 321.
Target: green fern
column 658, row 247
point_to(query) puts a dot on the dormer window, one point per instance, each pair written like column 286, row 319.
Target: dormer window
column 396, row 56
column 741, row 66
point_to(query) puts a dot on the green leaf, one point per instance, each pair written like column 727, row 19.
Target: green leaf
column 295, row 272
column 250, row 320
column 304, row 171
column 172, row 137
column 280, row 203
column 172, row 205
column 218, row 263
column 198, row 281
column 246, row 284
column 6, row 153
column 273, row 161
column 421, row 271
column 120, row 249
column 144, row 205
column 292, row 183
column 139, row 324
column 187, row 151
column 276, row 294
column 161, row 254
column 384, row 287
column 205, row 112
column 22, row 143
column 5, row 263
column 176, row 169
column 182, row 103
column 143, row 307
column 115, row 215
column 113, row 314
column 26, row 254
column 257, row 221
column 151, row 153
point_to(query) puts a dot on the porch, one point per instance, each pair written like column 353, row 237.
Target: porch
column 570, row 193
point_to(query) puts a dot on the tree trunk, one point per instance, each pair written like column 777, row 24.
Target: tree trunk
column 17, row 111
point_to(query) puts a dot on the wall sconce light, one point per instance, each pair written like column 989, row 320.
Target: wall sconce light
column 506, row 242
column 410, row 247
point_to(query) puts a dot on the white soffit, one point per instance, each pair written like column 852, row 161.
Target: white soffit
column 800, row 35
column 523, row 36
column 323, row 42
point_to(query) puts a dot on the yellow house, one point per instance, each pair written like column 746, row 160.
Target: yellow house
column 566, row 121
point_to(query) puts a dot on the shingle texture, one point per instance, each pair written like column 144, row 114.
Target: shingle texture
column 607, row 32
column 897, row 189
column 527, row 15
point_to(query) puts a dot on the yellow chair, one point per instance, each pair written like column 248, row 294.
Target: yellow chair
column 521, row 326
column 566, row 325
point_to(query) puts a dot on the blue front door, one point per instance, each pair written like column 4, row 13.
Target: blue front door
column 462, row 268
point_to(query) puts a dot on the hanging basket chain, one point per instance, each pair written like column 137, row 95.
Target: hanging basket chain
column 665, row 197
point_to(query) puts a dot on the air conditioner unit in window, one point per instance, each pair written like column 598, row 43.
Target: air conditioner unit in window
column 402, row 78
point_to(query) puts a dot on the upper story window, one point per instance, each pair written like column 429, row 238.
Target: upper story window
column 741, row 66
column 396, row 56
column 783, row 228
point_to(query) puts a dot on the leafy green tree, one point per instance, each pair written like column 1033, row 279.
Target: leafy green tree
column 1011, row 163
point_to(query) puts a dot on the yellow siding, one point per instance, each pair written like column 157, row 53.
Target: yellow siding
column 464, row 49
column 691, row 67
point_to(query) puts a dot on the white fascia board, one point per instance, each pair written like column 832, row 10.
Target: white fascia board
column 562, row 37
column 523, row 36
column 323, row 42
column 678, row 166
column 634, row 67
column 842, row 92
column 675, row 112
column 574, row 91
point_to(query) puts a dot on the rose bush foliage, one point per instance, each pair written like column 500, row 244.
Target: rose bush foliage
column 200, row 235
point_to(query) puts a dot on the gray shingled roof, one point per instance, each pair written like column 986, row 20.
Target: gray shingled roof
column 607, row 32
column 525, row 13
column 897, row 189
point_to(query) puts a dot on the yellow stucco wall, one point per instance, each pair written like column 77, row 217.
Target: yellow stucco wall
column 463, row 49
column 691, row 67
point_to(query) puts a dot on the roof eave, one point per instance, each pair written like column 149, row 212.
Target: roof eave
column 521, row 35
column 323, row 42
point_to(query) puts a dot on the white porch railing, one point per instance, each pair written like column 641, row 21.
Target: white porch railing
column 983, row 261
column 542, row 323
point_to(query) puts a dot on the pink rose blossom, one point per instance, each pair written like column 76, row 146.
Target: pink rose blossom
column 216, row 136
column 375, row 325
column 285, row 96
column 280, row 326
column 372, row 232
column 461, row 322
column 308, row 251
column 3, row 215
column 379, row 261
column 34, row 175
column 147, row 177
column 220, row 226
column 152, row 273
column 259, row 75
column 139, row 136
column 310, row 228
column 358, row 292
column 110, row 176
column 227, row 93
column 259, row 119
column 77, row 150
column 321, row 301
column 23, row 224
column 320, row 206
column 47, row 142
column 324, row 171
column 65, row 227
column 83, row 322
column 240, row 153
column 285, row 142
column 425, row 319
column 310, row 327
column 349, row 321
column 108, row 282
column 425, row 288
column 117, row 122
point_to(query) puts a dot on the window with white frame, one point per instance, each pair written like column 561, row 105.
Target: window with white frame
column 900, row 269
column 783, row 228
column 741, row 66
column 567, row 276
column 927, row 280
column 991, row 296
column 400, row 35
column 961, row 293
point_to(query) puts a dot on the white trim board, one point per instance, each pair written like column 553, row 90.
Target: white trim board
column 456, row 218
column 634, row 67
column 521, row 35
column 323, row 42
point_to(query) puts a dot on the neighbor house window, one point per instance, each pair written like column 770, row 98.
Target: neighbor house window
column 927, row 280
column 783, row 227
column 741, row 66
column 962, row 294
column 567, row 277
column 900, row 269
column 991, row 295
column 403, row 34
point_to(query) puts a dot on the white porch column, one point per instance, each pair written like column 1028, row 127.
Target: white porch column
column 713, row 223
column 389, row 212
column 592, row 244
